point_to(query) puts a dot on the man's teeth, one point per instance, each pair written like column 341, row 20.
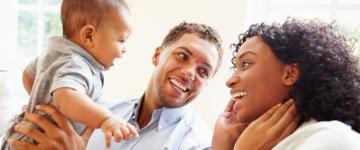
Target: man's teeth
column 239, row 94
column 178, row 84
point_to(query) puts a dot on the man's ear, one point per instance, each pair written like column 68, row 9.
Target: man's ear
column 291, row 74
column 156, row 56
column 87, row 35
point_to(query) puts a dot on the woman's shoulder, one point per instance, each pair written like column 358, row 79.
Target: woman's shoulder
column 322, row 135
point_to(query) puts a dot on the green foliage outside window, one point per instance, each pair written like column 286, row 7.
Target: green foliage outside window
column 27, row 26
column 28, row 2
column 52, row 26
column 52, row 2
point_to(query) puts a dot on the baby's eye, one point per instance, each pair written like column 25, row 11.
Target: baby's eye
column 121, row 41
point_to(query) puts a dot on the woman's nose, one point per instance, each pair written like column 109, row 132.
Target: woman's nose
column 234, row 78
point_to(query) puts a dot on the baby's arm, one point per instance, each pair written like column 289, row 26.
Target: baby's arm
column 117, row 128
column 29, row 74
column 27, row 81
column 81, row 108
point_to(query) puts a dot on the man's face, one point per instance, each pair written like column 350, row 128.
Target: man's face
column 182, row 69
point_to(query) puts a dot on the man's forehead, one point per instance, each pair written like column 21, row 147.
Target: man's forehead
column 197, row 47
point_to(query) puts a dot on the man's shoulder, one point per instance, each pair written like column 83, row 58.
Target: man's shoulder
column 119, row 106
column 198, row 135
column 195, row 121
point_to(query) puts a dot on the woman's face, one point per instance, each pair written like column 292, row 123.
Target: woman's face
column 259, row 82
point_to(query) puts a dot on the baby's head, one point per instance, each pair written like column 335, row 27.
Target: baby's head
column 101, row 27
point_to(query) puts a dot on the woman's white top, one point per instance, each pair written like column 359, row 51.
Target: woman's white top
column 327, row 135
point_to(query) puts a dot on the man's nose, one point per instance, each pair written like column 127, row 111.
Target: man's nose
column 189, row 72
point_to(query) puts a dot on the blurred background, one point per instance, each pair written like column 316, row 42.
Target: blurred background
column 27, row 24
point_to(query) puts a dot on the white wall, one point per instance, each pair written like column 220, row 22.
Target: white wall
column 153, row 19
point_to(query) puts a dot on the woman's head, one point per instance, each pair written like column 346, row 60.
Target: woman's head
column 260, row 79
column 311, row 63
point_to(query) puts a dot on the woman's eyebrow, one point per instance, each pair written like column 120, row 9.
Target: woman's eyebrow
column 245, row 53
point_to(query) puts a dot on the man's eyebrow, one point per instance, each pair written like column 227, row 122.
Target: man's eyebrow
column 186, row 49
column 192, row 54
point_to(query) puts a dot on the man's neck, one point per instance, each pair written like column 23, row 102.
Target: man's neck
column 147, row 107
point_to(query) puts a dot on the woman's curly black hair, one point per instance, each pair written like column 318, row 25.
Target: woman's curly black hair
column 328, row 87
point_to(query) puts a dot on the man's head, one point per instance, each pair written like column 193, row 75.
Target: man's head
column 188, row 57
column 99, row 26
column 203, row 31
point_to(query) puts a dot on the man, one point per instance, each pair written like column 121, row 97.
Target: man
column 188, row 57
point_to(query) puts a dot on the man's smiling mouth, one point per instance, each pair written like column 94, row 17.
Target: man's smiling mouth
column 179, row 85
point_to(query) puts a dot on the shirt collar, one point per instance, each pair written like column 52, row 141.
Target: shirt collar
column 170, row 116
column 164, row 116
column 64, row 45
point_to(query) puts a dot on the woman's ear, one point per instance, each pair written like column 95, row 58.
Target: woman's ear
column 156, row 56
column 87, row 36
column 291, row 74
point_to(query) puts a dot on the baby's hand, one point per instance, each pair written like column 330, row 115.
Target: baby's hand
column 117, row 128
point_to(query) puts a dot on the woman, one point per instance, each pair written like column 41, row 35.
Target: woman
column 308, row 61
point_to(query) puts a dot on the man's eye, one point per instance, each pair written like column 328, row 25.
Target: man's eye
column 182, row 56
column 203, row 73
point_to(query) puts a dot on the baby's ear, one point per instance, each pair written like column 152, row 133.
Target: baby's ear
column 87, row 35
column 156, row 56
column 291, row 74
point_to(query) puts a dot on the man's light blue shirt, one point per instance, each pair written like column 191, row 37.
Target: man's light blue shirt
column 169, row 129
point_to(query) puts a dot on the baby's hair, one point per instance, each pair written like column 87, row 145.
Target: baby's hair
column 77, row 13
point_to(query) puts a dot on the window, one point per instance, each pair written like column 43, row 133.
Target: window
column 25, row 28
column 344, row 12
column 37, row 20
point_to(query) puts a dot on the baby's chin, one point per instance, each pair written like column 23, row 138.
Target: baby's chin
column 108, row 66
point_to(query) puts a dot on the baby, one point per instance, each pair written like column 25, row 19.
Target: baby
column 69, row 75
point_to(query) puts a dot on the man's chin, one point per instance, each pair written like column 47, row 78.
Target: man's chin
column 173, row 103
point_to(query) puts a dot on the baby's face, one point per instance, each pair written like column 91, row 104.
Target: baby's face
column 111, row 37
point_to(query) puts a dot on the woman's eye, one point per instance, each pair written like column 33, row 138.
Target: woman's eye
column 246, row 65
